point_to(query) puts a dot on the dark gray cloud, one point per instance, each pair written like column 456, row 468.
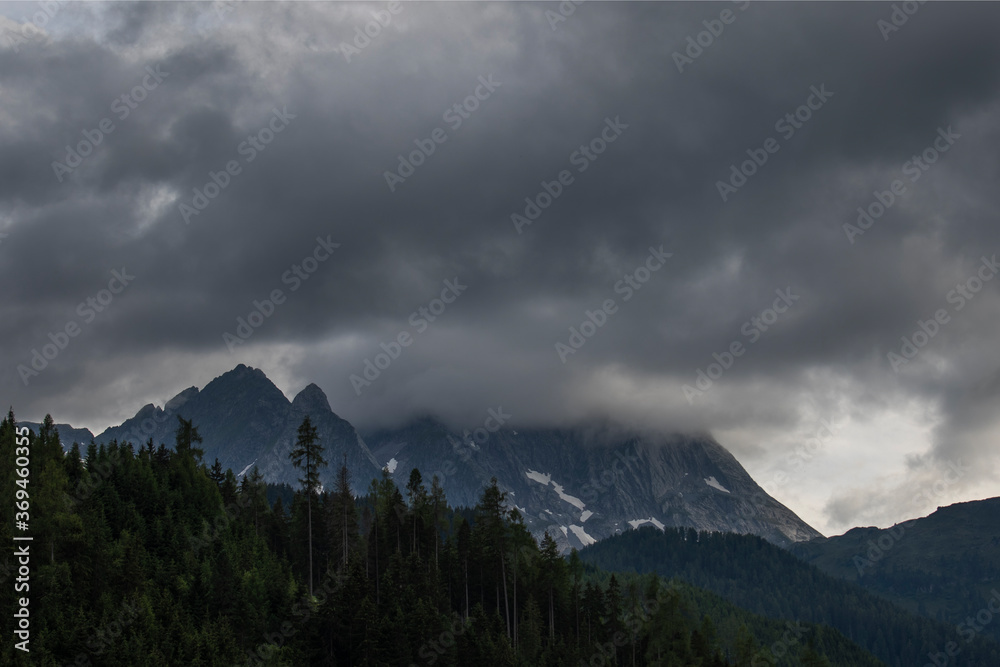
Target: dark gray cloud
column 231, row 66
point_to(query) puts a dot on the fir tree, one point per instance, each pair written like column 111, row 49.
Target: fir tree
column 308, row 455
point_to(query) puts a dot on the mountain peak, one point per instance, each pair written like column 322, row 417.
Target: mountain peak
column 311, row 400
column 240, row 380
column 243, row 370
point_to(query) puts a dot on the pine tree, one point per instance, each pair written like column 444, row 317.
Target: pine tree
column 308, row 455
column 552, row 573
column 216, row 474
column 438, row 504
column 254, row 494
column 464, row 548
column 187, row 435
column 491, row 524
column 810, row 657
column 530, row 644
column 343, row 516
column 417, row 496
column 746, row 647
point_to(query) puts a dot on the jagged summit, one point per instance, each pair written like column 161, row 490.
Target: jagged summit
column 245, row 420
column 311, row 399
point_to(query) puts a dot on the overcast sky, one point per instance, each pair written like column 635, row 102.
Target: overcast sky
column 113, row 115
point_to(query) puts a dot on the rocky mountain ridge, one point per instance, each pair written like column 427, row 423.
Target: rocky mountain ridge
column 580, row 484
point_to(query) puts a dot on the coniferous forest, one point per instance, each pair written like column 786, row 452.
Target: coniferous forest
column 147, row 555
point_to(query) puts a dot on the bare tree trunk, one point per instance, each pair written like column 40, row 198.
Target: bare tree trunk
column 515, row 599
column 552, row 615
column 309, row 505
column 506, row 607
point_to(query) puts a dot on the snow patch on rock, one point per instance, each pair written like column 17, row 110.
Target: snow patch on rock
column 244, row 471
column 539, row 477
column 581, row 535
column 572, row 500
column 714, row 483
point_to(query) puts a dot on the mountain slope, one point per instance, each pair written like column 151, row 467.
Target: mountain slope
column 945, row 566
column 586, row 483
column 770, row 581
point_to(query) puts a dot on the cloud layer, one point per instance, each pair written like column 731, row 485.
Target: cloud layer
column 541, row 163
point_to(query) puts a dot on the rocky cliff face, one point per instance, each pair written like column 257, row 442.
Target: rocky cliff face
column 586, row 483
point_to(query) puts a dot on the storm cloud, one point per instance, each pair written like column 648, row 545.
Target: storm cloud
column 362, row 157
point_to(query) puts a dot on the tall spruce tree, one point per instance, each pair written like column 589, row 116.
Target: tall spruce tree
column 343, row 517
column 308, row 455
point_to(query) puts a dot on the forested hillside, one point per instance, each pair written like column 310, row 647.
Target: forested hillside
column 945, row 566
column 148, row 556
column 767, row 580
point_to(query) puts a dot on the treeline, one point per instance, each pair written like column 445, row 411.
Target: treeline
column 148, row 556
column 767, row 580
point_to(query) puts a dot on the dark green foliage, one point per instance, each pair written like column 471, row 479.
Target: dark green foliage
column 135, row 559
column 150, row 557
